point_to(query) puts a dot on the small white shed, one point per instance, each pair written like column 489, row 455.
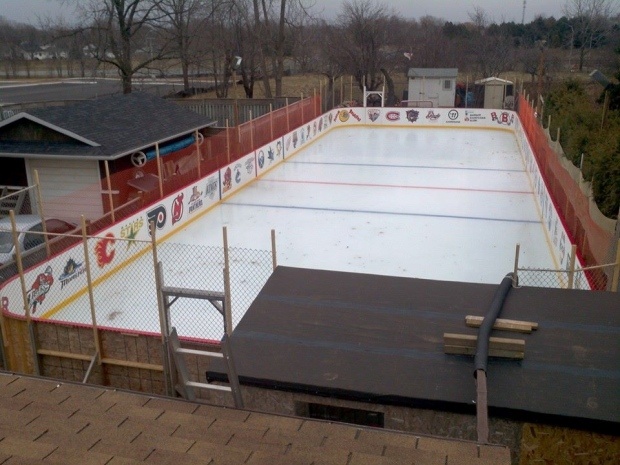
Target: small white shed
column 431, row 87
column 498, row 93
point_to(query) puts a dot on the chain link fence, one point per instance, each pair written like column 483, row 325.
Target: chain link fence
column 580, row 278
column 249, row 271
column 124, row 296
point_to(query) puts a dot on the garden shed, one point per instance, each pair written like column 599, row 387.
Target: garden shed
column 431, row 87
column 498, row 93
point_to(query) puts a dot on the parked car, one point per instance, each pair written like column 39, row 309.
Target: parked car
column 28, row 227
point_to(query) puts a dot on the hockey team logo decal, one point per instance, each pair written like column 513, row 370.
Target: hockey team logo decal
column 71, row 271
column 212, row 187
column 130, row 231
column 41, row 286
column 177, row 208
column 104, row 250
column 158, row 216
column 392, row 115
column 504, row 118
column 195, row 200
column 227, row 183
column 432, row 116
column 373, row 114
column 412, row 115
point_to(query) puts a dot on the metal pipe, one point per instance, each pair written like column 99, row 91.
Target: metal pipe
column 482, row 356
column 484, row 332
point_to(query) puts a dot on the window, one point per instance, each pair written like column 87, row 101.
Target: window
column 32, row 239
column 341, row 414
column 447, row 84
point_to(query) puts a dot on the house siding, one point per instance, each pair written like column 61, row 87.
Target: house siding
column 69, row 188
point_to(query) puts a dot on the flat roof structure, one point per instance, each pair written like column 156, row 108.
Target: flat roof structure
column 379, row 339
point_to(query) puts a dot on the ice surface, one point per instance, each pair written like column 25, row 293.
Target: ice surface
column 445, row 204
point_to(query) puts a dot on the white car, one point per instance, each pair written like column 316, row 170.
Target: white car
column 28, row 226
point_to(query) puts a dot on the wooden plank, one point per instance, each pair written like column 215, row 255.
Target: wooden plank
column 460, row 350
column 503, row 324
column 192, row 293
column 470, row 340
column 108, row 361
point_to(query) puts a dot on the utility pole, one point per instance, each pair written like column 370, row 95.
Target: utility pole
column 523, row 15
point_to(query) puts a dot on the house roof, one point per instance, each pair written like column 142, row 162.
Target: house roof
column 47, row 421
column 494, row 80
column 432, row 72
column 105, row 128
column 380, row 339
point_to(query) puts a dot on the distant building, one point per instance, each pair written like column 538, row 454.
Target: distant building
column 31, row 51
column 431, row 87
column 498, row 93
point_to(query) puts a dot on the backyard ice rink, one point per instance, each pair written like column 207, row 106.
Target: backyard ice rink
column 443, row 204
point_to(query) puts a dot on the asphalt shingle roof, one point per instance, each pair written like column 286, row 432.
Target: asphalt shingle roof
column 432, row 72
column 46, row 421
column 119, row 124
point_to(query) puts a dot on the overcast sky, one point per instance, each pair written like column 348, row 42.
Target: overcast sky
column 450, row 10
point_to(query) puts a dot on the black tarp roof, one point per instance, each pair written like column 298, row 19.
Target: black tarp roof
column 380, row 339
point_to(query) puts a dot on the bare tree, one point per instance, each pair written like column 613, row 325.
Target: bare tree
column 589, row 21
column 118, row 26
column 480, row 18
column 274, row 24
column 182, row 20
column 364, row 41
column 491, row 53
column 329, row 60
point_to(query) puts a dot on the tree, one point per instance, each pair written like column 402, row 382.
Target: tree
column 364, row 40
column 491, row 51
column 118, row 27
column 274, row 23
column 182, row 20
column 589, row 20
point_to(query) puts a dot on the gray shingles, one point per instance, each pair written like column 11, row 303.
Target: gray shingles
column 119, row 124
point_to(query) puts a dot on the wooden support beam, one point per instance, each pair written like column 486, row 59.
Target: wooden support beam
column 465, row 344
column 503, row 324
column 109, row 361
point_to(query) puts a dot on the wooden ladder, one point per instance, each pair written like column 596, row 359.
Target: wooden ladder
column 187, row 386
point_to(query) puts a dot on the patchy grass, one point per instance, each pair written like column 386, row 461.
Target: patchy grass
column 309, row 84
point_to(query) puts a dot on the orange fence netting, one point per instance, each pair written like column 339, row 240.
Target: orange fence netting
column 595, row 244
